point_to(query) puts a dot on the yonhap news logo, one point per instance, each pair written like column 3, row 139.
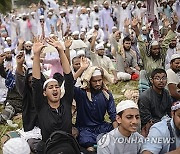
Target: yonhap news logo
column 104, row 140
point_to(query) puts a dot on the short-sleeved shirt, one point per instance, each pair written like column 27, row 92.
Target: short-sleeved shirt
column 51, row 119
column 172, row 77
column 159, row 132
column 115, row 143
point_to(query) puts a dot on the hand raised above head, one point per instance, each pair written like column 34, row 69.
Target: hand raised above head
column 2, row 57
column 38, row 45
column 84, row 63
column 67, row 42
column 20, row 58
column 134, row 22
column 55, row 43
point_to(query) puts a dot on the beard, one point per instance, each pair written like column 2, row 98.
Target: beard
column 124, row 7
column 155, row 57
column 96, row 11
column 172, row 46
column 8, row 58
column 106, row 8
column 28, row 51
column 96, row 91
column 127, row 49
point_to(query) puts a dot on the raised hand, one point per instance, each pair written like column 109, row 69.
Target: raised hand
column 38, row 45
column 95, row 33
column 2, row 57
column 84, row 63
column 55, row 43
column 126, row 22
column 134, row 22
column 20, row 58
column 67, row 42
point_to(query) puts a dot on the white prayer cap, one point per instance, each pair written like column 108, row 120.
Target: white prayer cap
column 62, row 11
column 7, row 49
column 28, row 42
column 73, row 54
column 144, row 28
column 99, row 46
column 16, row 145
column 175, row 56
column 114, row 27
column 175, row 106
column 80, row 53
column 8, row 38
column 88, row 9
column 75, row 33
column 96, row 23
column 83, row 30
column 51, row 9
column 139, row 2
column 97, row 72
column 32, row 13
column 24, row 14
column 95, row 5
column 106, row 2
column 50, row 13
column 127, row 104
column 41, row 17
column 164, row 1
column 154, row 43
column 47, row 81
column 123, row 3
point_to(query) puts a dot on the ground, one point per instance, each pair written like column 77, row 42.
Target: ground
column 117, row 90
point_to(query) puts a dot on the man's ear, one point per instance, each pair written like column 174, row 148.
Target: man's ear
column 44, row 93
column 151, row 80
column 118, row 119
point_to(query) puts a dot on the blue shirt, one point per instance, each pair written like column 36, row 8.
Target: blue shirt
column 92, row 113
column 160, row 130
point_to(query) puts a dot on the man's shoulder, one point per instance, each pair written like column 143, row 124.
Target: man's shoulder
column 170, row 71
column 161, row 127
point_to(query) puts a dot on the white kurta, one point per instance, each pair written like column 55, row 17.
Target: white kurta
column 94, row 17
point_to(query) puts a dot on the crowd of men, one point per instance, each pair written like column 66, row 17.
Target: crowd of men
column 56, row 63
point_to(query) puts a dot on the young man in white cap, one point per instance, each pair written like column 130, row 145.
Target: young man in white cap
column 164, row 136
column 93, row 100
column 124, row 138
column 53, row 108
column 173, row 81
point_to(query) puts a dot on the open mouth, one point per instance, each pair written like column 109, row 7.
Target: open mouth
column 55, row 94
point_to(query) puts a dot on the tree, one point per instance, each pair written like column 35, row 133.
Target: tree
column 5, row 6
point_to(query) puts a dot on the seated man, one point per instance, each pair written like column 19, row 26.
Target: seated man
column 116, row 141
column 167, row 130
column 155, row 102
column 53, row 108
column 173, row 78
column 93, row 100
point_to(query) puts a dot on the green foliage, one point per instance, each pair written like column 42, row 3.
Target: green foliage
column 5, row 6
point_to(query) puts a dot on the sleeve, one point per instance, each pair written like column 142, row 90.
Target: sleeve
column 111, row 66
column 77, row 94
column 2, row 71
column 37, row 91
column 150, row 144
column 172, row 78
column 165, row 44
column 134, row 60
column 111, row 108
column 142, row 48
column 144, row 109
column 69, row 87
column 20, row 83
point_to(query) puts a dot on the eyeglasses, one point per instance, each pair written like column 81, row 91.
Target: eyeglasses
column 160, row 79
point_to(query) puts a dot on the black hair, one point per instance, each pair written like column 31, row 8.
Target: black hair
column 120, row 113
column 127, row 38
column 59, row 78
column 157, row 70
column 173, row 60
